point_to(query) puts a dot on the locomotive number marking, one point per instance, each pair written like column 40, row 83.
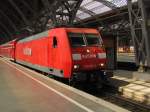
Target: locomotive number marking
column 88, row 56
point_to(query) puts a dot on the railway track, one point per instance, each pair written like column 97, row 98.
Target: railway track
column 112, row 95
column 125, row 103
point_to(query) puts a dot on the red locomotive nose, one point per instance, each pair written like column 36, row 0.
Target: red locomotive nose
column 87, row 51
column 94, row 58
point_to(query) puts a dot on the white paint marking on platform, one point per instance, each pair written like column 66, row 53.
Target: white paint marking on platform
column 57, row 92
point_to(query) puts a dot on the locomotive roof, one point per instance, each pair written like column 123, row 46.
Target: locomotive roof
column 45, row 33
column 33, row 37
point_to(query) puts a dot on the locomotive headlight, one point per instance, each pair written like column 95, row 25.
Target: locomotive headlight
column 76, row 57
column 102, row 64
column 76, row 66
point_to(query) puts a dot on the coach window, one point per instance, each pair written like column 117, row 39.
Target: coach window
column 55, row 42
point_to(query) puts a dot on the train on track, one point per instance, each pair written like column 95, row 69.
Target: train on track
column 70, row 53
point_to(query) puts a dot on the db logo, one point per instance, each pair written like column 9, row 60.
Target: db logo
column 27, row 51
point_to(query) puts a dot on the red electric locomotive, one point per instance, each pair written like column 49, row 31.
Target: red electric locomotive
column 64, row 52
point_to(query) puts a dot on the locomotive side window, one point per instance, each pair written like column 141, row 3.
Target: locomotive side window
column 76, row 39
column 93, row 39
column 54, row 42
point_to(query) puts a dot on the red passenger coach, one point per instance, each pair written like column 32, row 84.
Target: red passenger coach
column 8, row 49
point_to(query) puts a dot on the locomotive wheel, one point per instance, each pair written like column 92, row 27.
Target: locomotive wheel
column 99, row 82
column 95, row 79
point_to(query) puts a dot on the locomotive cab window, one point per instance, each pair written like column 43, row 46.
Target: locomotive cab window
column 84, row 39
column 76, row 39
column 93, row 39
column 55, row 43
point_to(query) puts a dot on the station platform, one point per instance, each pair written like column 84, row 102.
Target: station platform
column 131, row 87
column 24, row 90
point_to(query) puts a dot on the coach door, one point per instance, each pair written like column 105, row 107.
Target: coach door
column 55, row 52
column 56, row 60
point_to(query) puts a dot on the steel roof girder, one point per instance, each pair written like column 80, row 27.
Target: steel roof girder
column 6, row 30
column 19, row 12
column 9, row 20
column 58, row 7
column 27, row 6
column 3, row 36
column 141, row 42
column 91, row 13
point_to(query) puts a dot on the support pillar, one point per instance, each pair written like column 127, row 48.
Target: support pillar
column 139, row 31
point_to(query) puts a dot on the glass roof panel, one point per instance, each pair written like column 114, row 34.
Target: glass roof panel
column 118, row 3
column 98, row 7
column 79, row 12
column 83, row 15
column 93, row 5
column 86, row 2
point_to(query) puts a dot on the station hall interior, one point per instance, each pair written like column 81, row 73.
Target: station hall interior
column 75, row 55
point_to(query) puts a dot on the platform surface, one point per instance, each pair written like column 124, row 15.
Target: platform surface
column 23, row 90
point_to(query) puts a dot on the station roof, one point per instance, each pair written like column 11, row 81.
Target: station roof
column 25, row 15
column 90, row 8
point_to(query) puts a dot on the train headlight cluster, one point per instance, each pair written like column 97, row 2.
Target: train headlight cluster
column 102, row 64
